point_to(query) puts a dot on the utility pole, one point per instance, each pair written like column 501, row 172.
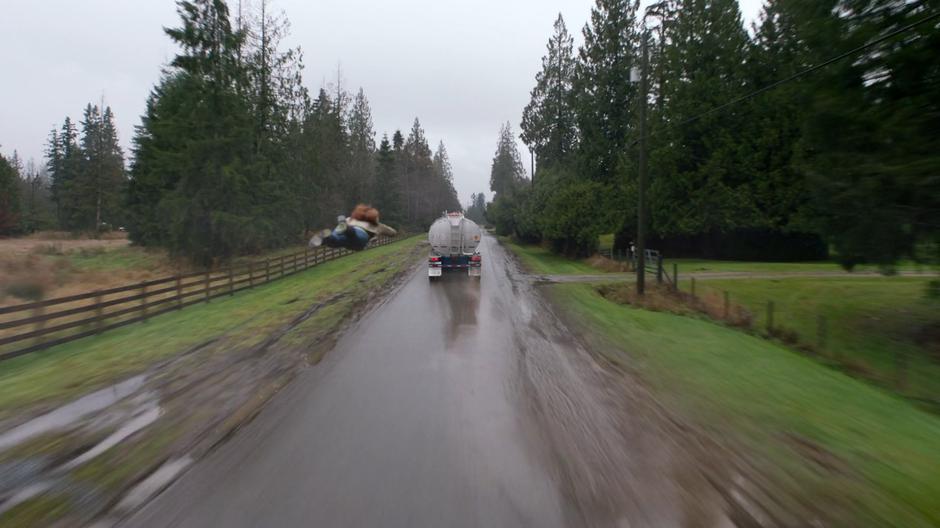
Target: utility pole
column 644, row 176
column 532, row 163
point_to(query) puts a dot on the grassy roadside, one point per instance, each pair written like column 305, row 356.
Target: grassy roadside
column 883, row 329
column 703, row 265
column 858, row 455
column 80, row 366
column 540, row 260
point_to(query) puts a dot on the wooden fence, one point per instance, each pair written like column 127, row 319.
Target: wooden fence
column 29, row 327
column 654, row 263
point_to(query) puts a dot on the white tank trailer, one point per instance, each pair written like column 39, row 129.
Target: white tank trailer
column 454, row 241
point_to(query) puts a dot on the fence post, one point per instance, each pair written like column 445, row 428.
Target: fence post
column 727, row 304
column 306, row 257
column 40, row 324
column 675, row 276
column 143, row 300
column 693, row 287
column 231, row 280
column 251, row 275
column 821, row 331
column 207, row 286
column 179, row 292
column 267, row 269
column 770, row 317
column 659, row 269
column 99, row 312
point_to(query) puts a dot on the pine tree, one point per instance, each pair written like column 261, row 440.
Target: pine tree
column 476, row 209
column 362, row 151
column 444, row 195
column 548, row 121
column 97, row 188
column 36, row 211
column 64, row 179
column 870, row 148
column 327, row 157
column 388, row 196
column 418, row 171
column 507, row 173
column 209, row 209
column 697, row 168
column 9, row 197
column 605, row 97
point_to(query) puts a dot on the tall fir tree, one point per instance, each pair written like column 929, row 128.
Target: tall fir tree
column 549, row 120
column 208, row 210
column 361, row 172
column 444, row 195
column 9, row 198
column 697, row 167
column 606, row 99
column 388, row 195
column 874, row 181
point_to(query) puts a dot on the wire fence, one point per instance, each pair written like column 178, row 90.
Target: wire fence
column 819, row 335
column 35, row 326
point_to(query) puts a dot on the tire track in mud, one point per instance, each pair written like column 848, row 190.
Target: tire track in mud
column 601, row 429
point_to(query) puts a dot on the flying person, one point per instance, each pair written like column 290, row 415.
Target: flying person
column 354, row 232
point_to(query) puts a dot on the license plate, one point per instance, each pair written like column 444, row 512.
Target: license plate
column 434, row 272
column 474, row 271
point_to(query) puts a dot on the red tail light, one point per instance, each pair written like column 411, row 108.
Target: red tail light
column 435, row 259
column 475, row 258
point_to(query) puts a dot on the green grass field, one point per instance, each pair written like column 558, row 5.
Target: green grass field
column 540, row 260
column 869, row 323
column 861, row 454
column 246, row 318
column 116, row 259
column 703, row 265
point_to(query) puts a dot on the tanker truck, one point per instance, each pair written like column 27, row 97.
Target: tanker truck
column 454, row 240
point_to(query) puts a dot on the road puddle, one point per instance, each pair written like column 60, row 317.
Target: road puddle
column 103, row 410
column 70, row 413
column 153, row 484
column 145, row 417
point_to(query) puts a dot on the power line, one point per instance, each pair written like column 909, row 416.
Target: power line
column 811, row 69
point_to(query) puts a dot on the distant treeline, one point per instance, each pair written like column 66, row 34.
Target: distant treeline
column 846, row 157
column 233, row 155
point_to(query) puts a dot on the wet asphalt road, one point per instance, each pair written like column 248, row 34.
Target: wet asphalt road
column 456, row 403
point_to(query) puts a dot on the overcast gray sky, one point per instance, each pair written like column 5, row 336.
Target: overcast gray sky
column 461, row 67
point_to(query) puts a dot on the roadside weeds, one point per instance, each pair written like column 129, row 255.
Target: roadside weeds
column 205, row 393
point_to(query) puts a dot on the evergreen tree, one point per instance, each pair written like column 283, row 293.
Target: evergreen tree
column 508, row 182
column 548, row 121
column 476, row 209
column 444, row 195
column 698, row 171
column 209, row 208
column 362, row 152
column 418, row 172
column 66, row 171
column 388, row 196
column 871, row 149
column 606, row 99
column 327, row 162
column 95, row 191
column 36, row 212
column 507, row 173
column 9, row 198
column 156, row 170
